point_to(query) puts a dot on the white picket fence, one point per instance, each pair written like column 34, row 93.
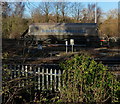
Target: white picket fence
column 114, row 67
column 47, row 76
column 44, row 76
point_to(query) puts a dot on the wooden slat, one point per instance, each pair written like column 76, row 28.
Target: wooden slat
column 59, row 77
column 43, row 79
column 55, row 82
column 38, row 78
column 47, row 78
column 36, row 71
column 51, row 78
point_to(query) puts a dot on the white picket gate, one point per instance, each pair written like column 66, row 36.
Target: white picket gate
column 44, row 76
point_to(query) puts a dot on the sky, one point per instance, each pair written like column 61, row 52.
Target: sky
column 105, row 6
column 61, row 0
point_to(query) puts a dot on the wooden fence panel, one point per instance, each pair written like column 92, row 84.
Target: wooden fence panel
column 43, row 76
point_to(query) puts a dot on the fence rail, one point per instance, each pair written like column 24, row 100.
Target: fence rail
column 43, row 76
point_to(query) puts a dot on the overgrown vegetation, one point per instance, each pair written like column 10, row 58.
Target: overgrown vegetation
column 85, row 80
column 22, row 89
column 14, row 91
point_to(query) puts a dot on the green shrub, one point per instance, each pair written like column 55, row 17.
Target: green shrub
column 85, row 80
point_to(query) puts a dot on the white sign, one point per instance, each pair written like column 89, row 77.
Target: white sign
column 71, row 41
column 66, row 42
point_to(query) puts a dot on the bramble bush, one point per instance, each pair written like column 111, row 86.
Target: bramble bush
column 85, row 80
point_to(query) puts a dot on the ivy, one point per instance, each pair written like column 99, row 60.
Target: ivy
column 87, row 81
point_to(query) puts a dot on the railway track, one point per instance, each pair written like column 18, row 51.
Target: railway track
column 108, row 61
column 113, row 64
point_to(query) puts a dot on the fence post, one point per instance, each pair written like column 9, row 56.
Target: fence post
column 14, row 71
column 43, row 79
column 10, row 67
column 59, row 81
column 22, row 70
column 55, row 79
column 47, row 78
column 22, row 75
column 35, row 77
column 19, row 74
column 26, row 74
column 30, row 72
column 63, row 82
column 51, row 78
column 38, row 78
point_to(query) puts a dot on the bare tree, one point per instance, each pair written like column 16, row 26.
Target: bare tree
column 13, row 22
column 89, row 14
column 46, row 9
column 37, row 15
column 76, row 9
column 19, row 8
column 99, row 15
column 56, row 9
column 84, row 18
column 5, row 9
column 109, row 27
column 64, row 10
column 112, row 13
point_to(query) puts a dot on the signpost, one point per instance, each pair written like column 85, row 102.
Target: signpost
column 72, row 43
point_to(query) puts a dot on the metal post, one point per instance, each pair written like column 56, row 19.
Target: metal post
column 66, row 49
column 72, row 43
column 96, row 12
column 66, row 42
column 72, row 48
